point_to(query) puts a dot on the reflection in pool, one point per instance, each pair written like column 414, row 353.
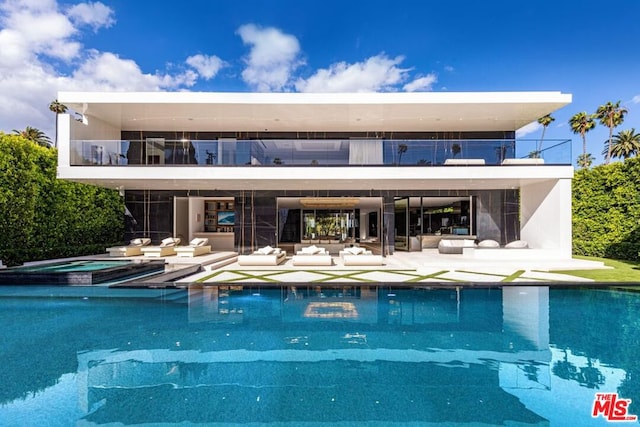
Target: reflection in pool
column 305, row 354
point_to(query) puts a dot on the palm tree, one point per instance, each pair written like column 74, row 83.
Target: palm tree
column 611, row 115
column 58, row 108
column 34, row 135
column 625, row 144
column 456, row 149
column 581, row 123
column 544, row 121
column 585, row 160
column 402, row 148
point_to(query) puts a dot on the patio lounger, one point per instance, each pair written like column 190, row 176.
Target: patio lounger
column 134, row 248
column 263, row 256
column 166, row 248
column 196, row 247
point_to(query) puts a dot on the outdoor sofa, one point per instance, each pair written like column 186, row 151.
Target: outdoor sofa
column 359, row 256
column 312, row 256
column 263, row 256
column 454, row 246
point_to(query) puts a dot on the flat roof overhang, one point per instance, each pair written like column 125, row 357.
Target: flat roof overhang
column 315, row 112
column 314, row 178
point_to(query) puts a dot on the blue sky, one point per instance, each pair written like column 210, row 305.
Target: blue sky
column 588, row 49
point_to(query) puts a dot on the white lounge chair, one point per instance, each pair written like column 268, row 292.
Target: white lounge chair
column 196, row 247
column 134, row 248
column 167, row 247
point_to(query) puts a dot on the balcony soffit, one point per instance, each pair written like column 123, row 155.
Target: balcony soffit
column 455, row 115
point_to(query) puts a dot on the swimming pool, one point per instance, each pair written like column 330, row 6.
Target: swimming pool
column 79, row 272
column 339, row 355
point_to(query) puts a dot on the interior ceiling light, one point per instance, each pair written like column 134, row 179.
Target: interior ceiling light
column 329, row 202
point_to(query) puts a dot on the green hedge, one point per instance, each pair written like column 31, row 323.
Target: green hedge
column 606, row 210
column 43, row 217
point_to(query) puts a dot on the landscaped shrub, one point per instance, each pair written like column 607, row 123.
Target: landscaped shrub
column 606, row 210
column 42, row 217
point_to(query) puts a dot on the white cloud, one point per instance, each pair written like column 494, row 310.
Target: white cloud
column 449, row 68
column 636, row 99
column 29, row 30
column 96, row 15
column 377, row 73
column 272, row 59
column 107, row 71
column 421, row 83
column 206, row 66
column 32, row 32
column 528, row 129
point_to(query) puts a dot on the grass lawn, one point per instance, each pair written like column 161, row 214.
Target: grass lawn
column 620, row 271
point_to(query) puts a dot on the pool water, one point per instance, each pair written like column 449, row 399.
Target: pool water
column 305, row 355
column 75, row 266
column 80, row 272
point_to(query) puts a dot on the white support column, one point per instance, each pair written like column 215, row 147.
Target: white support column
column 545, row 210
column 64, row 136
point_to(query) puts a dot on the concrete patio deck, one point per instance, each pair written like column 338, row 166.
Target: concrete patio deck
column 413, row 267
column 427, row 266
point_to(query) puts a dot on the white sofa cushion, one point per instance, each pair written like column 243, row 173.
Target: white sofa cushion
column 517, row 244
column 488, row 243
column 169, row 241
column 311, row 250
column 355, row 250
column 267, row 250
column 199, row 241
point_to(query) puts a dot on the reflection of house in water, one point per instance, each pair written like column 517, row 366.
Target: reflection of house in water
column 383, row 354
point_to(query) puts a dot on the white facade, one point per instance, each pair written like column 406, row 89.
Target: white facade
column 93, row 149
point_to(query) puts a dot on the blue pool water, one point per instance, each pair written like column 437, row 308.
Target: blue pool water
column 80, row 272
column 366, row 355
column 73, row 266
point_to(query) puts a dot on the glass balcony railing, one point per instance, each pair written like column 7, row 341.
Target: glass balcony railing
column 321, row 152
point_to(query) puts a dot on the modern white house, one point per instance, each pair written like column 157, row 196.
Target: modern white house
column 391, row 171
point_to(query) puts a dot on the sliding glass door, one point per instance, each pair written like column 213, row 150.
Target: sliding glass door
column 401, row 223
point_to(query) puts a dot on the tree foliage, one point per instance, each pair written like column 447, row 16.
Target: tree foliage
column 34, row 135
column 44, row 217
column 625, row 144
column 581, row 123
column 606, row 208
column 610, row 115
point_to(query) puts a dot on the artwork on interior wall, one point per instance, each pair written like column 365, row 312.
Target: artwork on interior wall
column 226, row 218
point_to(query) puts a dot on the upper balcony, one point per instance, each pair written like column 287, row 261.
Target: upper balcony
column 318, row 152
